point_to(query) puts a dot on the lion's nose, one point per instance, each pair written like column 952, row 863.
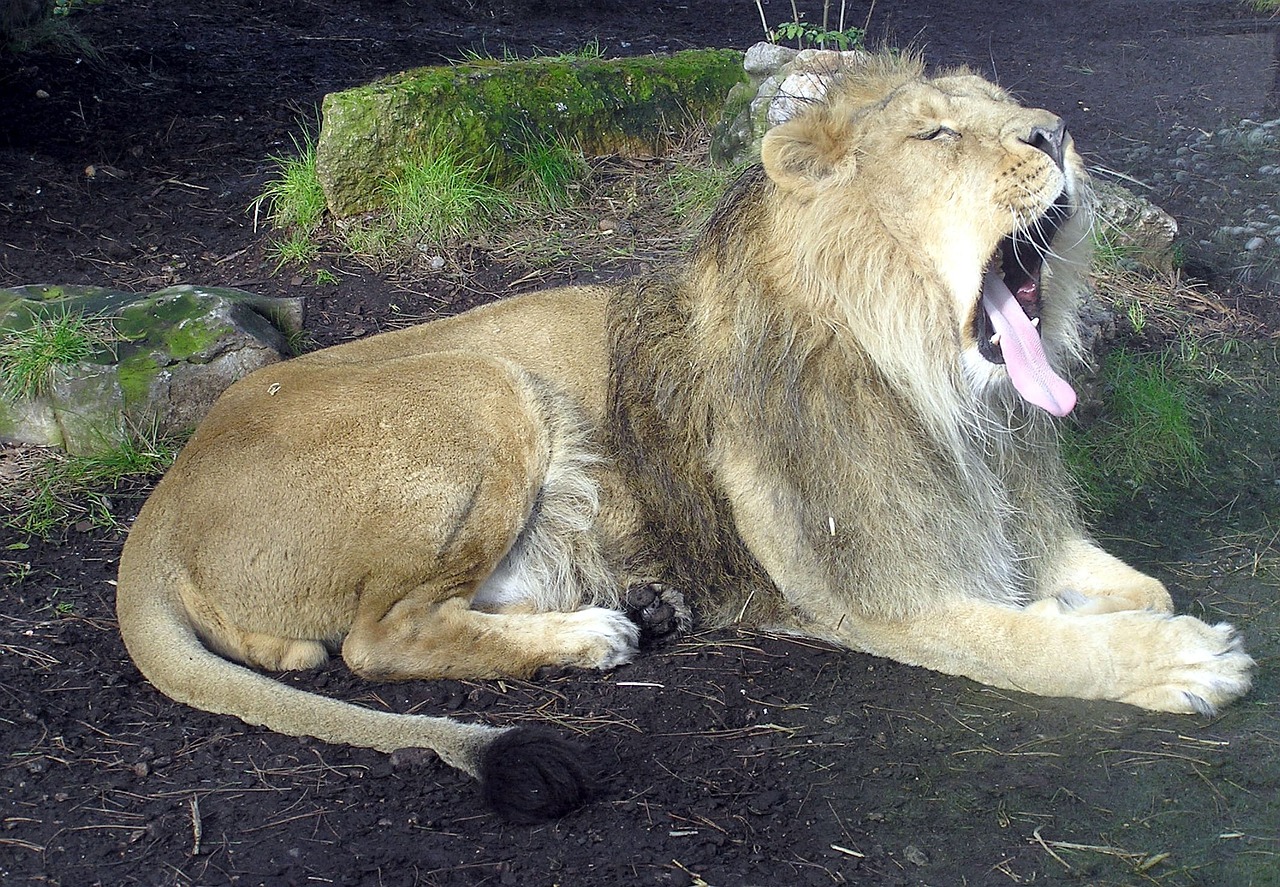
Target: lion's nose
column 1050, row 140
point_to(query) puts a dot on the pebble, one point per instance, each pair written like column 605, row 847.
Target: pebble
column 915, row 855
column 1255, row 244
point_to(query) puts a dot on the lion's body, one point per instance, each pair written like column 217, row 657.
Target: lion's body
column 804, row 429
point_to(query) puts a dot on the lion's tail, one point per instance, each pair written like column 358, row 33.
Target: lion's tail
column 526, row 774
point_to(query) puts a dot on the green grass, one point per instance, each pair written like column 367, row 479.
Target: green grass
column 296, row 247
column 441, row 195
column 293, row 203
column 694, row 189
column 552, row 170
column 293, row 198
column 1149, row 431
column 589, row 50
column 67, row 489
column 1109, row 252
column 29, row 357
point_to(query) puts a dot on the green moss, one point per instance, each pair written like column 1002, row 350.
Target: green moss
column 136, row 374
column 492, row 112
column 192, row 337
column 183, row 318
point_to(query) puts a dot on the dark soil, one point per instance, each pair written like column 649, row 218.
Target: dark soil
column 727, row 759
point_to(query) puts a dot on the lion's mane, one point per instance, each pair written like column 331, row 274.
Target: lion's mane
column 828, row 348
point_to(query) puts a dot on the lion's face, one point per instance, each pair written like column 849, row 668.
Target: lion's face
column 963, row 188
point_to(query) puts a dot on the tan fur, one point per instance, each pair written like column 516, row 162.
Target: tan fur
column 796, row 430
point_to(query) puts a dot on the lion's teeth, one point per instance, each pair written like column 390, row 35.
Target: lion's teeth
column 995, row 340
column 1035, row 321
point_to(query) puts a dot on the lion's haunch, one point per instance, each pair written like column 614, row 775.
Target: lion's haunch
column 1024, row 357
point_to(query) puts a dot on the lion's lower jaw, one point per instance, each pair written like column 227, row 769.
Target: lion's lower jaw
column 988, row 381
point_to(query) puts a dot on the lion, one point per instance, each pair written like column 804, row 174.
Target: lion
column 836, row 419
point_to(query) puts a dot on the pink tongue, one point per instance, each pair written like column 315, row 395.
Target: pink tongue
column 1025, row 360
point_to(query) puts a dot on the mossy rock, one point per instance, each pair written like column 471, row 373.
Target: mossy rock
column 490, row 110
column 172, row 353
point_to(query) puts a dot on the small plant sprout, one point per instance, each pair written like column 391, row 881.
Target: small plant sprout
column 1137, row 316
column 815, row 35
column 29, row 357
column 15, row 572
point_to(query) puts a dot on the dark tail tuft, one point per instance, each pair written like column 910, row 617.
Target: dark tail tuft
column 530, row 775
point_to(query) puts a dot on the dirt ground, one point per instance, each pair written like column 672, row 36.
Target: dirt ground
column 726, row 759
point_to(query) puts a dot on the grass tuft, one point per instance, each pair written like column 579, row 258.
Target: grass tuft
column 441, row 195
column 297, row 247
column 64, row 488
column 694, row 189
column 552, row 171
column 29, row 357
column 293, row 202
column 1149, row 430
column 293, row 198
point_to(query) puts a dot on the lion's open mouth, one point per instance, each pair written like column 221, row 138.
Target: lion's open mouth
column 1008, row 326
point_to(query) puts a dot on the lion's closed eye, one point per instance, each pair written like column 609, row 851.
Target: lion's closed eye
column 944, row 133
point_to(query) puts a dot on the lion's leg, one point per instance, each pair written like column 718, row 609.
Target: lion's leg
column 1087, row 580
column 445, row 622
column 421, row 638
column 1142, row 657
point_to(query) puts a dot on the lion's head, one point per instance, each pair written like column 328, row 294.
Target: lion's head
column 942, row 223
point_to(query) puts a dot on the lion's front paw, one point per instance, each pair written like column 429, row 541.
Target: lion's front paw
column 600, row 638
column 1191, row 667
column 659, row 610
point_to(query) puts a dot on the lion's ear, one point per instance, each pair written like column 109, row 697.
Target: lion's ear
column 802, row 152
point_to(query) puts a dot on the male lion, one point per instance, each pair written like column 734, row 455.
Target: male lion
column 834, row 421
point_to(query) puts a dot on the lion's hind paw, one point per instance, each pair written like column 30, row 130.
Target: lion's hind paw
column 659, row 610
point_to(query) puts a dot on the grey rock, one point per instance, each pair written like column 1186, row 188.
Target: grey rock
column 174, row 352
column 1144, row 231
column 781, row 81
column 765, row 58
